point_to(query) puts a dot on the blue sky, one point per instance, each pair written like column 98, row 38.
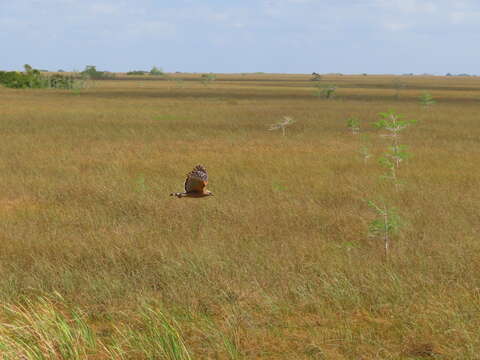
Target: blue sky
column 288, row 36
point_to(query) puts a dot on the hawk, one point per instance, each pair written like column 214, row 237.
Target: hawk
column 195, row 184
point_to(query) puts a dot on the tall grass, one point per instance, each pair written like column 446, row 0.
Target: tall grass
column 46, row 328
column 40, row 330
column 277, row 265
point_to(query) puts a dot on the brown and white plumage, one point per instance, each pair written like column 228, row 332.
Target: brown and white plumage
column 195, row 183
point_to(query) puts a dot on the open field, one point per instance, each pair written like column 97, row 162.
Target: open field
column 98, row 262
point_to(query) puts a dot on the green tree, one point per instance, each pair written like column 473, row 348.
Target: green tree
column 156, row 71
column 426, row 99
column 91, row 72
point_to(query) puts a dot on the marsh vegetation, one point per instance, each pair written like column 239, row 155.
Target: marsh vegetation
column 98, row 262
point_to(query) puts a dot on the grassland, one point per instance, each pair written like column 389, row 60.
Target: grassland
column 98, row 262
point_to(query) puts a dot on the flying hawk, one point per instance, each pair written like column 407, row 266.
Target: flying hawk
column 195, row 184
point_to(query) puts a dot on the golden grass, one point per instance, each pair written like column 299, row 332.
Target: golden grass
column 278, row 264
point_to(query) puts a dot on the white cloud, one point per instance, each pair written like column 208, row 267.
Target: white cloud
column 458, row 17
column 463, row 17
column 10, row 22
column 300, row 1
column 157, row 29
column 391, row 26
column 408, row 6
column 104, row 9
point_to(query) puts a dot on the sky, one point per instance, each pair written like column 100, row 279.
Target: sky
column 235, row 36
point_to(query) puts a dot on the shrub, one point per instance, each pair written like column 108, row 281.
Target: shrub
column 316, row 77
column 426, row 99
column 34, row 79
column 208, row 78
column 18, row 80
column 13, row 79
column 325, row 90
column 353, row 124
column 91, row 72
column 156, row 71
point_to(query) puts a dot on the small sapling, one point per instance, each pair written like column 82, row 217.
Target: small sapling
column 287, row 121
column 385, row 226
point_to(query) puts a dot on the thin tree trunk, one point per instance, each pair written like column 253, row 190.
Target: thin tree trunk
column 386, row 239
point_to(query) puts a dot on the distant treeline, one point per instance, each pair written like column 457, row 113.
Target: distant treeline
column 34, row 79
column 449, row 74
column 37, row 79
column 155, row 71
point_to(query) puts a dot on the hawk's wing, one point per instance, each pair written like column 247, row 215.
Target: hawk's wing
column 196, row 180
